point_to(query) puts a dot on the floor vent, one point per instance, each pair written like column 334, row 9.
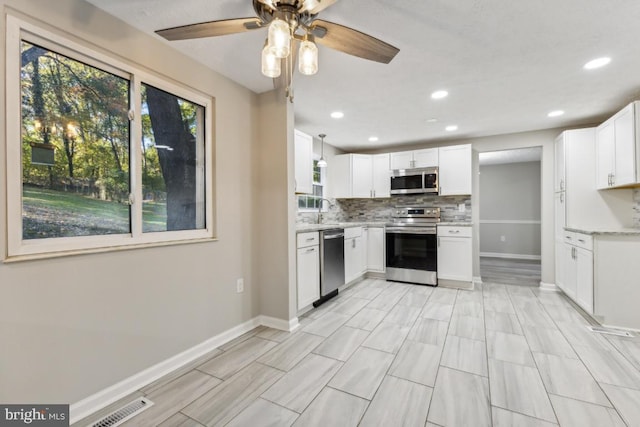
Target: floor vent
column 610, row 331
column 123, row 414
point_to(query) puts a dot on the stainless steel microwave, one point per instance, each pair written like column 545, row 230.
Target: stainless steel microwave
column 414, row 181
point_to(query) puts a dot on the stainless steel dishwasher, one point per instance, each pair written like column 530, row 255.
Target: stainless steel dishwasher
column 331, row 263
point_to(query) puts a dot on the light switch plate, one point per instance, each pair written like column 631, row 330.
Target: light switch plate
column 240, row 285
column 461, row 207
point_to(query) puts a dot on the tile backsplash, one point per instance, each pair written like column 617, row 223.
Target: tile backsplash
column 636, row 208
column 379, row 210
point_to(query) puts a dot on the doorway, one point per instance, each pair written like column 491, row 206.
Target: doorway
column 510, row 216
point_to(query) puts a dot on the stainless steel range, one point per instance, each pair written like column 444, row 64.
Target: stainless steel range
column 412, row 245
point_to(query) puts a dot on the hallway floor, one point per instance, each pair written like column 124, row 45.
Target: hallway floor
column 510, row 271
column 388, row 354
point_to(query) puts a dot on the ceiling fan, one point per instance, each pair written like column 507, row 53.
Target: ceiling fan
column 290, row 22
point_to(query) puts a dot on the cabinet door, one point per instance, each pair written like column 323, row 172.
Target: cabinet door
column 401, row 160
column 560, row 265
column 425, row 158
column 455, row 170
column 304, row 162
column 584, row 279
column 625, row 147
column 339, row 177
column 569, row 271
column 362, row 174
column 350, row 260
column 605, row 150
column 375, row 249
column 455, row 259
column 308, row 276
column 560, row 213
column 559, row 181
column 381, row 176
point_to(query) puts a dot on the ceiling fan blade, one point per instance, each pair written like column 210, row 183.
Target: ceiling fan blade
column 211, row 29
column 316, row 6
column 352, row 41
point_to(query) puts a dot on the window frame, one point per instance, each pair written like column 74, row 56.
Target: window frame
column 18, row 248
column 322, row 183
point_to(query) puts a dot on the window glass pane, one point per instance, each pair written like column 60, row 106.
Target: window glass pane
column 173, row 174
column 75, row 147
column 302, row 202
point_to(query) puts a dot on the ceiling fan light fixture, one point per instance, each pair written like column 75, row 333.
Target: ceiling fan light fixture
column 279, row 38
column 308, row 58
column 270, row 64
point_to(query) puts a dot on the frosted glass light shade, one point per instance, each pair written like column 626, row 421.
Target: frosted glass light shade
column 270, row 64
column 279, row 38
column 308, row 58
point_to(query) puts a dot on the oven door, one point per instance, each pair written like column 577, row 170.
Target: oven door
column 412, row 255
column 407, row 184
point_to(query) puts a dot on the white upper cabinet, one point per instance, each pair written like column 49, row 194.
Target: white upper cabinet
column 304, row 162
column 455, row 170
column 618, row 148
column 425, row 158
column 361, row 176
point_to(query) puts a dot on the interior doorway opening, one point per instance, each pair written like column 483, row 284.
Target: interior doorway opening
column 510, row 216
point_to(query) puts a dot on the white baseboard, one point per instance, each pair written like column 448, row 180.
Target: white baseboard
column 275, row 323
column 551, row 287
column 477, row 279
column 510, row 256
column 107, row 396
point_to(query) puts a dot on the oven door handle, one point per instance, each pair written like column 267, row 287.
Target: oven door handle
column 409, row 231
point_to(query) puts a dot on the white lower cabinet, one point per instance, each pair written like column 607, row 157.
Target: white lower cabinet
column 375, row 249
column 355, row 255
column 308, row 269
column 455, row 259
column 577, row 282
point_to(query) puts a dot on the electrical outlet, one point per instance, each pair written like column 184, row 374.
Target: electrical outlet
column 503, row 238
column 240, row 285
column 461, row 207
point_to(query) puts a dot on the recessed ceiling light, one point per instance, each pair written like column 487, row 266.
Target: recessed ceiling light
column 451, row 128
column 373, row 139
column 555, row 113
column 439, row 94
column 597, row 63
column 337, row 114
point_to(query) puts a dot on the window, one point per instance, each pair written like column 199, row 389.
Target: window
column 313, row 201
column 100, row 154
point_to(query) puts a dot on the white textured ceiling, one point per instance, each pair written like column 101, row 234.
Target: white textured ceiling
column 505, row 64
column 518, row 155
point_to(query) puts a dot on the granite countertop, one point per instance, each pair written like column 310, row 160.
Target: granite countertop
column 609, row 232
column 301, row 228
column 456, row 224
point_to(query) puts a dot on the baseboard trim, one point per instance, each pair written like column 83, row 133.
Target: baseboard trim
column 550, row 287
column 511, row 256
column 275, row 323
column 107, row 396
column 477, row 279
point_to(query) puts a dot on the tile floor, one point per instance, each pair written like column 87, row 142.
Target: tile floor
column 389, row 354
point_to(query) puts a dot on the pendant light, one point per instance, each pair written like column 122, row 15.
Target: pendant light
column 322, row 163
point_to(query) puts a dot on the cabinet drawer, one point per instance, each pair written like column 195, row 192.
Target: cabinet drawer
column 308, row 239
column 584, row 241
column 350, row 233
column 569, row 237
column 450, row 231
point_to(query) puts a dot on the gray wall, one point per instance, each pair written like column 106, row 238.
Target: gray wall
column 75, row 325
column 510, row 210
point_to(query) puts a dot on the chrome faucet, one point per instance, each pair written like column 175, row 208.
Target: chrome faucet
column 320, row 209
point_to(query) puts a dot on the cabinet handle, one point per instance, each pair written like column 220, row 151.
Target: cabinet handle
column 353, row 245
column 567, row 237
column 562, row 184
column 561, row 197
column 438, row 242
column 581, row 240
column 454, row 231
column 311, row 250
column 311, row 239
column 613, row 179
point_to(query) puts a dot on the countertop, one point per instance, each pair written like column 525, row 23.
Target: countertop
column 609, row 232
column 302, row 228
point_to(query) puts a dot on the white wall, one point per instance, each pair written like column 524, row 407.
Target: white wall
column 509, row 209
column 71, row 326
